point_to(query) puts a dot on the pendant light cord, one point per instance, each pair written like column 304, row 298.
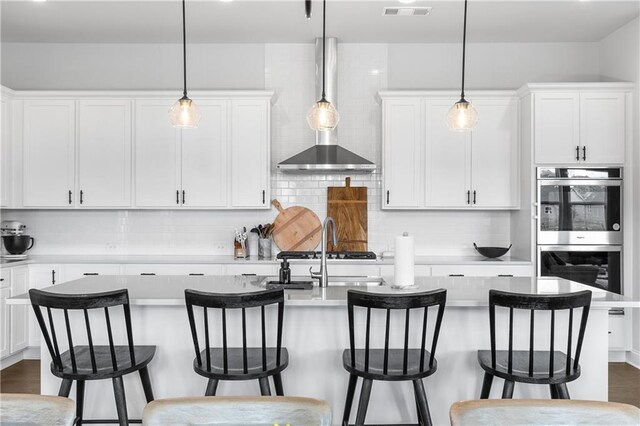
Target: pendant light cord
column 324, row 50
column 184, row 49
column 464, row 45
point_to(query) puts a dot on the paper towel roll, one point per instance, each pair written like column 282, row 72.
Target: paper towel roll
column 404, row 263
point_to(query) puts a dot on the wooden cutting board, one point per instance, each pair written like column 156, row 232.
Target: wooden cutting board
column 296, row 228
column 347, row 205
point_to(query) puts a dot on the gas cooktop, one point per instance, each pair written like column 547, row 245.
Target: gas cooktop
column 344, row 255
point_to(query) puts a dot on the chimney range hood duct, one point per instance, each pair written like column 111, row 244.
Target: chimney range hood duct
column 327, row 155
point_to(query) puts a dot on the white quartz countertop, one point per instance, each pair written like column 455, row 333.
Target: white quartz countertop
column 221, row 260
column 461, row 291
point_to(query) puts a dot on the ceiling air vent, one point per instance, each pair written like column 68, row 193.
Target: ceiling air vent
column 406, row 11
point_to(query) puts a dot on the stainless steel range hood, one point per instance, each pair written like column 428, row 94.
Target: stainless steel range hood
column 327, row 155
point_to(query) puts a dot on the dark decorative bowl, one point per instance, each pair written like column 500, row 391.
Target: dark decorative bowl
column 492, row 252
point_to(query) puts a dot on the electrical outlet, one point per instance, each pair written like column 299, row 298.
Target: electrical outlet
column 111, row 247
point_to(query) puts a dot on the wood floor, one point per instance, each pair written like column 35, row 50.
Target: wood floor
column 624, row 380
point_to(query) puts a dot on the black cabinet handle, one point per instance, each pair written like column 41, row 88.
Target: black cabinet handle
column 90, row 273
column 584, row 153
column 177, row 197
column 505, row 275
column 248, row 275
column 577, row 153
column 148, row 273
column 468, row 197
column 53, row 276
column 456, row 275
column 264, row 194
column 474, row 196
column 387, row 197
column 81, row 196
column 69, row 196
column 196, row 275
column 1, row 279
column 183, row 195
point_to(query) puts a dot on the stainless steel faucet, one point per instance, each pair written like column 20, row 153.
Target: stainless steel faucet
column 322, row 275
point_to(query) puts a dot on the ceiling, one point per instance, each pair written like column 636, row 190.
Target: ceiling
column 245, row 21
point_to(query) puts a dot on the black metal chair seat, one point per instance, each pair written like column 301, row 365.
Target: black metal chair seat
column 520, row 367
column 103, row 363
column 235, row 363
column 396, row 369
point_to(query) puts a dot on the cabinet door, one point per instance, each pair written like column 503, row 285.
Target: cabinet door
column 447, row 167
column 494, row 150
column 250, row 160
column 75, row 272
column 49, row 149
column 157, row 156
column 5, row 323
column 204, row 158
column 556, row 127
column 5, row 152
column 40, row 276
column 402, row 153
column 104, row 153
column 602, row 127
column 19, row 313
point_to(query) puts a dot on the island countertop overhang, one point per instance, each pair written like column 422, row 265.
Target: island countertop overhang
column 461, row 291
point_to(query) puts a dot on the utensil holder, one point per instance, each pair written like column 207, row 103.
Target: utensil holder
column 264, row 248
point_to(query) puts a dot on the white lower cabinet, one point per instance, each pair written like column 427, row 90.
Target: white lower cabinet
column 164, row 269
column 19, row 313
column 482, row 271
column 74, row 272
column 619, row 332
column 251, row 269
column 40, row 276
column 5, row 314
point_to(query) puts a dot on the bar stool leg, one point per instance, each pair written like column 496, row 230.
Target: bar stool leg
column 554, row 392
column 423, row 405
column 264, row 386
column 365, row 393
column 65, row 388
column 146, row 384
column 79, row 401
column 351, row 389
column 212, row 387
column 277, row 383
column 507, row 390
column 121, row 402
column 563, row 392
column 486, row 386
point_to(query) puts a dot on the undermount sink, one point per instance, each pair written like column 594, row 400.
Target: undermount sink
column 335, row 281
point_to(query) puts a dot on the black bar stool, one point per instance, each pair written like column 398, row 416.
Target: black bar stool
column 238, row 363
column 391, row 364
column 552, row 367
column 92, row 362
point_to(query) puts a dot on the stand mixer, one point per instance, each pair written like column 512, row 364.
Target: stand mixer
column 15, row 242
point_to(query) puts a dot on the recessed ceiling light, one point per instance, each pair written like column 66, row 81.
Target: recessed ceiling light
column 39, row 1
column 406, row 11
column 407, row 1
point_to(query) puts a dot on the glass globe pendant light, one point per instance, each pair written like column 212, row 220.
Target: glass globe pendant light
column 462, row 116
column 323, row 115
column 184, row 113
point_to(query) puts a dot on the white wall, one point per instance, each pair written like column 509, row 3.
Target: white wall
column 364, row 69
column 620, row 60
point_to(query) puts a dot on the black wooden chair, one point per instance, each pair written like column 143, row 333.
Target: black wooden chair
column 238, row 363
column 552, row 367
column 92, row 362
column 391, row 364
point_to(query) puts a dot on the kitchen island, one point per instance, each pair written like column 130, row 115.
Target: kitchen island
column 316, row 332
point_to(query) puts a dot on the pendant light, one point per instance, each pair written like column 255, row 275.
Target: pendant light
column 462, row 116
column 184, row 113
column 323, row 115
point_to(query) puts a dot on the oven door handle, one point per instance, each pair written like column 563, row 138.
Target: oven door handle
column 573, row 247
column 579, row 182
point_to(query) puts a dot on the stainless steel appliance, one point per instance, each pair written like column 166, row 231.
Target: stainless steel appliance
column 579, row 205
column 597, row 266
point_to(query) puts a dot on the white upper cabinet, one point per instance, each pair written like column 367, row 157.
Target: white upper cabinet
column 602, row 127
column 48, row 150
column 250, row 153
column 494, row 167
column 402, row 151
column 6, row 189
column 581, row 123
column 448, row 157
column 104, row 153
column 157, row 156
column 557, row 127
column 205, row 158
column 432, row 167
